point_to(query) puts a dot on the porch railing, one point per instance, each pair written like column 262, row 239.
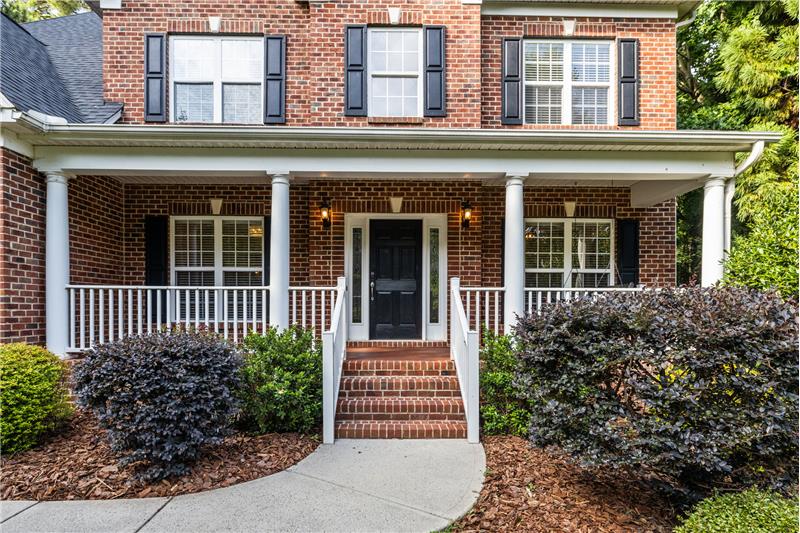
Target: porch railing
column 537, row 298
column 334, row 347
column 464, row 352
column 103, row 313
column 483, row 307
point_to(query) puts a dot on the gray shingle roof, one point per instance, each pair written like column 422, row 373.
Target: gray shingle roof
column 55, row 66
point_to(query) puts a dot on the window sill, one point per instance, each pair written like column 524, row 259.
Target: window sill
column 394, row 120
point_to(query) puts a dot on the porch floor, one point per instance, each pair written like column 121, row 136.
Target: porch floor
column 393, row 353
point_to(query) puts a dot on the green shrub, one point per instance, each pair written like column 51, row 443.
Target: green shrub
column 282, row 381
column 33, row 395
column 697, row 385
column 162, row 397
column 503, row 407
column 751, row 511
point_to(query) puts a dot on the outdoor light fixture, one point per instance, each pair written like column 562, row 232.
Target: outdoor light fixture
column 531, row 233
column 466, row 214
column 325, row 214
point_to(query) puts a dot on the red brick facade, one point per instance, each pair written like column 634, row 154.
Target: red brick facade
column 22, row 219
column 315, row 42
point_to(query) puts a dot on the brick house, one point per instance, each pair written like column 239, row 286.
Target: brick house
column 396, row 174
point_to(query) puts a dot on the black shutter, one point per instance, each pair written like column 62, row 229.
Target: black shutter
column 511, row 97
column 629, row 252
column 435, row 73
column 156, row 259
column 155, row 88
column 355, row 77
column 275, row 79
column 628, row 53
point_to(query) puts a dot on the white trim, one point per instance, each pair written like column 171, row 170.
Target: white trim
column 400, row 74
column 567, row 83
column 567, row 270
column 216, row 81
column 607, row 10
column 430, row 331
column 110, row 4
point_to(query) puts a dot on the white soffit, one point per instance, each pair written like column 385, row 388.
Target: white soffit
column 619, row 9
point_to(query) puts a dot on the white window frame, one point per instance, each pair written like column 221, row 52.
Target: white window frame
column 216, row 80
column 218, row 268
column 567, row 84
column 395, row 74
column 567, row 271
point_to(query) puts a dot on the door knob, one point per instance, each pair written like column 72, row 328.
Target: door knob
column 372, row 291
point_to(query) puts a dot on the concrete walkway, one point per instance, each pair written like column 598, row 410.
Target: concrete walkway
column 353, row 485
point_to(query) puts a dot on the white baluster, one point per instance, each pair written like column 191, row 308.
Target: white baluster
column 82, row 297
column 205, row 308
column 187, row 309
column 244, row 313
column 149, row 316
column 72, row 318
column 130, row 312
column 225, row 312
column 314, row 312
column 196, row 309
column 235, row 316
column 322, row 306
column 102, row 309
column 110, row 315
column 158, row 310
column 303, row 304
column 264, row 311
column 91, row 317
column 120, row 316
column 496, row 312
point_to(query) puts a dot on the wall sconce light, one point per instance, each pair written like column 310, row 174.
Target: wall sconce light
column 466, row 214
column 216, row 206
column 531, row 233
column 569, row 209
column 325, row 214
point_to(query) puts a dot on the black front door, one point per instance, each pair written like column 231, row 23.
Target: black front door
column 395, row 276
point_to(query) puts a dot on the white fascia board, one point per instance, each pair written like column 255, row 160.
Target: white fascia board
column 419, row 138
column 546, row 9
column 424, row 163
column 110, row 4
column 11, row 141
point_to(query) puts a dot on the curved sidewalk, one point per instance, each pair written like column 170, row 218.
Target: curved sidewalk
column 353, row 485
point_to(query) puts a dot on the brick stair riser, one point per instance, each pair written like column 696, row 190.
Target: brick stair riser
column 399, row 368
column 401, row 416
column 343, row 395
column 418, row 430
column 389, row 373
column 398, row 406
column 393, row 383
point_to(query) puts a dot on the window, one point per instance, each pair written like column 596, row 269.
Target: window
column 357, row 244
column 395, row 65
column 216, row 79
column 567, row 82
column 569, row 253
column 433, row 276
column 217, row 252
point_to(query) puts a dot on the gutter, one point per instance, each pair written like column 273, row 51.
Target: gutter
column 730, row 188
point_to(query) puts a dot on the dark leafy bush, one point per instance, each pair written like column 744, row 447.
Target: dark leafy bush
column 699, row 385
column 751, row 511
column 282, row 381
column 162, row 397
column 33, row 395
column 503, row 407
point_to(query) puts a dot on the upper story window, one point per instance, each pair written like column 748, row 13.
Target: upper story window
column 568, row 82
column 395, row 66
column 217, row 79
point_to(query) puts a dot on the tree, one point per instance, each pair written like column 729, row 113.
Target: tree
column 737, row 70
column 30, row 10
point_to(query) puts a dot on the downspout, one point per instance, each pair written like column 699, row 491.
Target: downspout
column 730, row 188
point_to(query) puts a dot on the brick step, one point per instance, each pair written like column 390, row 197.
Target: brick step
column 400, row 409
column 394, row 386
column 383, row 367
column 398, row 344
column 349, row 429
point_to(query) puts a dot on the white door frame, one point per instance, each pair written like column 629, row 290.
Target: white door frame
column 430, row 331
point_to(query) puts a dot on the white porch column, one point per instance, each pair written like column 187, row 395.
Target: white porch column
column 279, row 252
column 730, row 192
column 514, row 260
column 57, row 264
column 713, row 231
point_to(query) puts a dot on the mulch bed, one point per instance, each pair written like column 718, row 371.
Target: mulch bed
column 529, row 489
column 78, row 464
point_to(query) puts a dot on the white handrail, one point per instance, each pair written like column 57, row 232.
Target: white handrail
column 464, row 351
column 334, row 346
column 103, row 313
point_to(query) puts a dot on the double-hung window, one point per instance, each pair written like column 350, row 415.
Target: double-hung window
column 569, row 253
column 568, row 82
column 217, row 79
column 218, row 251
column 395, row 66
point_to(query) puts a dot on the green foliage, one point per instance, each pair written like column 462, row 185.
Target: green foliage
column 282, row 381
column 738, row 70
column 33, row 395
column 161, row 397
column 30, row 10
column 503, row 408
column 696, row 385
column 767, row 256
column 750, row 511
